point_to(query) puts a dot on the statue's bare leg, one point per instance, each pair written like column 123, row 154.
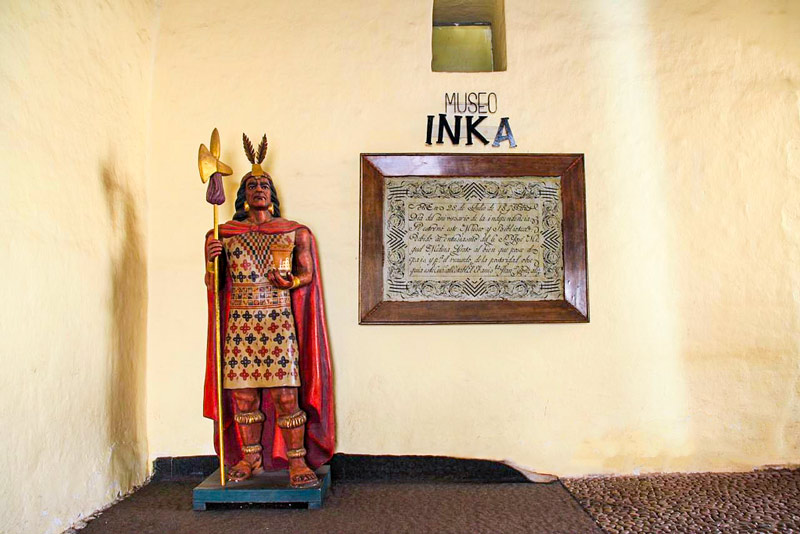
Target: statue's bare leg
column 250, row 422
column 292, row 422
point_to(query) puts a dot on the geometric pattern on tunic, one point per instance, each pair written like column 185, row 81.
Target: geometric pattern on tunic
column 261, row 342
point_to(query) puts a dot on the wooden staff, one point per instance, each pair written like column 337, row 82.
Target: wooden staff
column 212, row 168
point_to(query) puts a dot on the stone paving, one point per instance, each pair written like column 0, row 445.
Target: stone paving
column 730, row 503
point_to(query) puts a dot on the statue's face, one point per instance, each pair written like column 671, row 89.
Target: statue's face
column 257, row 193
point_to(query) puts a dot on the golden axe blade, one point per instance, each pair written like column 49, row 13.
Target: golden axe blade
column 208, row 160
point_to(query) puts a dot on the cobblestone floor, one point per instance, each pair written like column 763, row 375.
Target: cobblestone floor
column 730, row 503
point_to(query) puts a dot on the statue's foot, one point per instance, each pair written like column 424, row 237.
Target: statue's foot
column 301, row 476
column 244, row 470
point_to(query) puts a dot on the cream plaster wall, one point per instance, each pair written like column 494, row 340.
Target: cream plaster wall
column 75, row 82
column 689, row 116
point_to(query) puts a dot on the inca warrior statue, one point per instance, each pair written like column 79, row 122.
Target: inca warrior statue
column 267, row 327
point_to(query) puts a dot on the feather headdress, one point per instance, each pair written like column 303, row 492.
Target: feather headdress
column 255, row 157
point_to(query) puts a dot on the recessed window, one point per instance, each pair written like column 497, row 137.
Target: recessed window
column 468, row 36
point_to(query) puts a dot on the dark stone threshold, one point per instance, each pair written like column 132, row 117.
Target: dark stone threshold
column 362, row 467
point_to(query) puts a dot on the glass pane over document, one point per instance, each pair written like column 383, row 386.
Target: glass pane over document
column 473, row 239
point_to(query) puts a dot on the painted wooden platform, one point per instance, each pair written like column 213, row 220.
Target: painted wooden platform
column 268, row 487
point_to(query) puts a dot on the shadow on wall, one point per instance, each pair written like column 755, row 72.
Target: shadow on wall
column 128, row 306
column 636, row 425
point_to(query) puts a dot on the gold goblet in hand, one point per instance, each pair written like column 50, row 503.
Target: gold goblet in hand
column 282, row 258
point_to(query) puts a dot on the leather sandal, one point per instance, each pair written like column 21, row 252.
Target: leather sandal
column 245, row 470
column 305, row 479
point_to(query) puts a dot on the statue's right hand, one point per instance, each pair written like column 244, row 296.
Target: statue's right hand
column 213, row 248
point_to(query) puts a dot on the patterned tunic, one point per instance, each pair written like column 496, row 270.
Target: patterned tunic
column 260, row 343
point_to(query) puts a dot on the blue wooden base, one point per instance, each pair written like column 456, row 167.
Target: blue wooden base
column 268, row 487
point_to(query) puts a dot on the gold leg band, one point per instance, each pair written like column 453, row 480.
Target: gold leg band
column 296, row 453
column 295, row 420
column 251, row 449
column 249, row 418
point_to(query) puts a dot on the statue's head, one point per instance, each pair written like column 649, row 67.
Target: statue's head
column 258, row 192
column 256, row 188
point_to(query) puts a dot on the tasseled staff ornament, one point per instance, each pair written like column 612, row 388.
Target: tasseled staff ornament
column 212, row 168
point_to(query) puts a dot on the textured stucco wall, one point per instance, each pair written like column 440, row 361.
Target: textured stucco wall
column 75, row 81
column 689, row 117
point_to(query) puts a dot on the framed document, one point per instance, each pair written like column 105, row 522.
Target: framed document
column 452, row 238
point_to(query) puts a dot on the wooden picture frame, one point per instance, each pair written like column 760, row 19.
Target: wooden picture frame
column 572, row 305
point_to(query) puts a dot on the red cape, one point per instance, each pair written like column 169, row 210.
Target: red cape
column 316, row 390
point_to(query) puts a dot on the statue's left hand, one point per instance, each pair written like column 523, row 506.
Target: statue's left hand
column 279, row 281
